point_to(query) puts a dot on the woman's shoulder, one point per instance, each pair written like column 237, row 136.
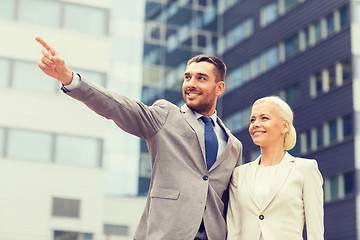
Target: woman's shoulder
column 244, row 166
column 305, row 163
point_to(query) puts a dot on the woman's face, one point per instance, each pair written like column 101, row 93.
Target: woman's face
column 267, row 128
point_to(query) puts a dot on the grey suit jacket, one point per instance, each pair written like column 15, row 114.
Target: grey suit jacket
column 182, row 192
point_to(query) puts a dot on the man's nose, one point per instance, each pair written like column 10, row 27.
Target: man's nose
column 192, row 82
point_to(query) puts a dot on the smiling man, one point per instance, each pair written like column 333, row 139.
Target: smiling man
column 192, row 153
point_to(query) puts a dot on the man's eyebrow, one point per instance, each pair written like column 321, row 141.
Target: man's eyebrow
column 203, row 74
column 200, row 74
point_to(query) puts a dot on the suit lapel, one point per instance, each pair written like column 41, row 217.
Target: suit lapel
column 226, row 151
column 280, row 177
column 194, row 124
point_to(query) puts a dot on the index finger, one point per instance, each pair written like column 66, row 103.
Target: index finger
column 44, row 44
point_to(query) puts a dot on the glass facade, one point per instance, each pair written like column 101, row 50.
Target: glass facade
column 80, row 151
column 7, row 9
column 43, row 12
column 23, row 76
column 59, row 14
column 49, row 147
column 29, row 145
column 4, row 72
column 88, row 19
column 2, row 141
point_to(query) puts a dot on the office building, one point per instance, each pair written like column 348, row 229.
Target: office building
column 65, row 172
column 305, row 51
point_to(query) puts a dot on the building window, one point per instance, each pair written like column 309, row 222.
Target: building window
column 4, row 72
column 307, row 39
column 2, row 141
column 333, row 131
column 316, row 32
column 57, row 14
column 7, row 9
column 340, row 186
column 356, row 14
column 249, row 27
column 349, row 183
column 332, row 77
column 78, row 151
column 116, row 230
column 42, row 12
column 23, row 71
column 29, row 145
column 271, row 58
column 289, row 4
column 67, row 235
column 308, row 141
column 62, row 207
column 201, row 41
column 346, row 70
column 269, row 13
column 292, row 94
column 86, row 19
column 319, row 136
column 237, row 77
column 316, row 83
column 344, row 16
column 96, row 77
column 209, row 14
column 291, row 46
column 334, row 188
column 236, row 121
column 347, row 125
column 330, row 24
column 255, row 67
column 238, row 34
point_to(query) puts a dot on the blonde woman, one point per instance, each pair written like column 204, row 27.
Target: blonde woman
column 272, row 197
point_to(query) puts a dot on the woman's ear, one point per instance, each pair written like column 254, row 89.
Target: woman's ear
column 286, row 127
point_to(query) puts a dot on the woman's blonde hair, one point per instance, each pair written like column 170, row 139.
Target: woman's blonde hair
column 286, row 114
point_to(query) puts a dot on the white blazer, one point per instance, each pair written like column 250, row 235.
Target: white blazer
column 295, row 197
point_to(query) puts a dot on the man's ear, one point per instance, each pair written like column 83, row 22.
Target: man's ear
column 220, row 88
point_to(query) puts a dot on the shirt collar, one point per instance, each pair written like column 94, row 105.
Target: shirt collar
column 213, row 117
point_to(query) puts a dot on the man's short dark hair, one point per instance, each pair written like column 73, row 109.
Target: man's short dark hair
column 218, row 63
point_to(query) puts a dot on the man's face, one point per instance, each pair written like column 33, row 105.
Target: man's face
column 200, row 89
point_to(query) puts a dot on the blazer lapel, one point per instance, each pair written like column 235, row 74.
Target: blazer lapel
column 194, row 124
column 280, row 177
column 250, row 179
column 226, row 151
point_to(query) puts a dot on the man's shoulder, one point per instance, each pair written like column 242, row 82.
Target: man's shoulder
column 164, row 102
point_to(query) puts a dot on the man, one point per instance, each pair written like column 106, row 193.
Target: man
column 190, row 169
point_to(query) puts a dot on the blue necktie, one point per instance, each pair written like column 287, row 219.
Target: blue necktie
column 211, row 142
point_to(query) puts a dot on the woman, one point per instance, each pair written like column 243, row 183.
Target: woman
column 272, row 197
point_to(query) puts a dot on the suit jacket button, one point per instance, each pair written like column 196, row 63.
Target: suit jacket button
column 261, row 217
column 205, row 178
